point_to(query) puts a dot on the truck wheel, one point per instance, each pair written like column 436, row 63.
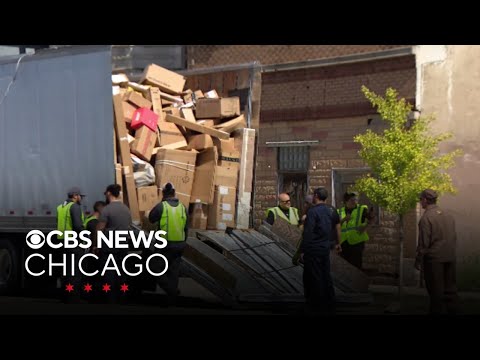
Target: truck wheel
column 8, row 267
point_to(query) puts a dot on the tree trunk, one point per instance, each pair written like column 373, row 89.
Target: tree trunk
column 400, row 267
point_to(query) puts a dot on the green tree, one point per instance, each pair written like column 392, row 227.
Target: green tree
column 403, row 160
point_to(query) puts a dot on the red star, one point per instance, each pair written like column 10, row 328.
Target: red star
column 106, row 288
column 87, row 287
column 69, row 287
column 124, row 288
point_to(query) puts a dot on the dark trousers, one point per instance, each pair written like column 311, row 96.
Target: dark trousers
column 440, row 281
column 353, row 253
column 169, row 281
column 317, row 283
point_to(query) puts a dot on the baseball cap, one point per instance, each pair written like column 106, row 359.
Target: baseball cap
column 428, row 194
column 75, row 190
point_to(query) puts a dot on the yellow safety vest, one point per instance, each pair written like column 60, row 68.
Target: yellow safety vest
column 173, row 221
column 293, row 214
column 64, row 220
column 350, row 231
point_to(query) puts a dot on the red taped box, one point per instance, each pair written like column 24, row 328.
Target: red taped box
column 144, row 116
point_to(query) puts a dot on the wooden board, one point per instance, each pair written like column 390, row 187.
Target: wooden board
column 231, row 125
column 291, row 233
column 121, row 131
column 197, row 127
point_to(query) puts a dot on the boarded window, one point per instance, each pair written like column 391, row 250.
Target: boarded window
column 293, row 158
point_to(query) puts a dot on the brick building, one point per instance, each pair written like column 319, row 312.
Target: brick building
column 313, row 93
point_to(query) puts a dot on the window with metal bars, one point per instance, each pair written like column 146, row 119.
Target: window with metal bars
column 293, row 158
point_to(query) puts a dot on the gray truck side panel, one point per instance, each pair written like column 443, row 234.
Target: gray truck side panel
column 56, row 130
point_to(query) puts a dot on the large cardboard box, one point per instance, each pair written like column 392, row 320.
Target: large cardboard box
column 224, row 145
column 221, row 214
column 137, row 99
column 166, row 80
column 178, row 168
column 226, row 176
column 229, row 159
column 204, row 182
column 144, row 143
column 227, row 155
column 198, row 216
column 147, row 197
column 169, row 134
column 200, row 142
column 217, row 108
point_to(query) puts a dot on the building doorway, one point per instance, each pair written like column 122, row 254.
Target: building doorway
column 296, row 185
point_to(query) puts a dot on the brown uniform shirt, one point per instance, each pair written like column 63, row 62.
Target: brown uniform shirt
column 436, row 237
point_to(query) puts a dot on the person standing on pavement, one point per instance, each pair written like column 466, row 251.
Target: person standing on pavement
column 114, row 217
column 283, row 210
column 70, row 218
column 354, row 220
column 170, row 215
column 321, row 223
column 436, row 253
column 307, row 205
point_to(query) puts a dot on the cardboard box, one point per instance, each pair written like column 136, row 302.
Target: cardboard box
column 206, row 122
column 221, row 214
column 169, row 134
column 224, row 145
column 218, row 108
column 172, row 111
column 212, row 94
column 188, row 96
column 227, row 155
column 187, row 114
column 226, row 176
column 144, row 116
column 154, row 94
column 137, row 99
column 147, row 197
column 166, row 80
column 178, row 168
column 229, row 159
column 144, row 143
column 200, row 142
column 198, row 216
column 128, row 111
column 198, row 95
column 204, row 181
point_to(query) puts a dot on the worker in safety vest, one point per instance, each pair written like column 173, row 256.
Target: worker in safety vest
column 90, row 223
column 70, row 218
column 354, row 220
column 171, row 216
column 283, row 210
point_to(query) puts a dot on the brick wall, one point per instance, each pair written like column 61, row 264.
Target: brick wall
column 212, row 55
column 327, row 104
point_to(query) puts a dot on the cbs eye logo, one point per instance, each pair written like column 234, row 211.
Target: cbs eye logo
column 35, row 239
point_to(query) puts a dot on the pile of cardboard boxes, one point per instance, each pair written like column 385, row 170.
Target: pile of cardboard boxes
column 192, row 139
